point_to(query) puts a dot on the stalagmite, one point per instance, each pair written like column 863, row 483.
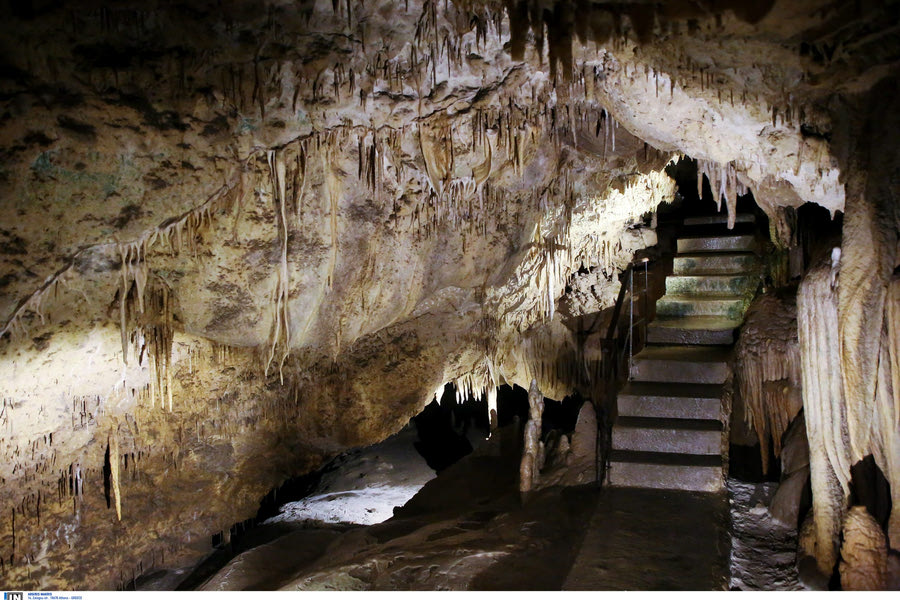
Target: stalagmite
column 529, row 472
column 863, row 553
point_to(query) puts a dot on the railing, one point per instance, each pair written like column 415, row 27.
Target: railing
column 617, row 346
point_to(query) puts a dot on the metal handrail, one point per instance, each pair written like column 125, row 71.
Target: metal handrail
column 614, row 347
column 644, row 312
column 627, row 287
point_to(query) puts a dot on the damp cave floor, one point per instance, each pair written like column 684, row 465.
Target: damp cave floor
column 470, row 529
column 561, row 538
column 655, row 540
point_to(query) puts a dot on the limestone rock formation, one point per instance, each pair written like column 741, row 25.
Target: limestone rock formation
column 863, row 553
column 581, row 463
column 826, row 427
column 238, row 237
column 785, row 505
column 532, row 446
column 768, row 369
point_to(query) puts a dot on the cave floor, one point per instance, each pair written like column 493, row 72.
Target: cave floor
column 560, row 538
column 642, row 539
column 470, row 529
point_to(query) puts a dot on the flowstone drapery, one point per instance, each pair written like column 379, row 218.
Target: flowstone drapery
column 824, row 407
column 827, row 408
column 768, row 369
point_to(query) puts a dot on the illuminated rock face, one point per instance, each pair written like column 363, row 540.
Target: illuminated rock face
column 298, row 221
column 864, row 552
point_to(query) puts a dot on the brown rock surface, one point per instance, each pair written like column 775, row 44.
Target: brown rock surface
column 864, row 552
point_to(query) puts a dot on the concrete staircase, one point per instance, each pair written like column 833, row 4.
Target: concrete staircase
column 669, row 433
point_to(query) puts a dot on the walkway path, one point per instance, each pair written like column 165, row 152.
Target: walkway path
column 641, row 539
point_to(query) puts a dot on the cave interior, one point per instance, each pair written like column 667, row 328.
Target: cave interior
column 449, row 295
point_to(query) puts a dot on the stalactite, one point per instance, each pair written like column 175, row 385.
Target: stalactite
column 135, row 252
column 113, row 443
column 437, row 156
column 723, row 183
column 281, row 325
column 334, row 195
column 768, row 370
column 731, row 195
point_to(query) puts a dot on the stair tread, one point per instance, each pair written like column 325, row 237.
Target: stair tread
column 707, row 255
column 715, row 263
column 716, row 244
column 702, row 297
column 751, row 273
column 701, row 322
column 666, row 458
column 711, row 354
column 726, row 236
column 718, row 219
column 649, row 389
column 669, row 423
column 705, row 276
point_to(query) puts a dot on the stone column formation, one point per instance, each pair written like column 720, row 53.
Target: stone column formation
column 532, row 452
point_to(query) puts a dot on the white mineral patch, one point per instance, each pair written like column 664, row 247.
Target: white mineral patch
column 365, row 485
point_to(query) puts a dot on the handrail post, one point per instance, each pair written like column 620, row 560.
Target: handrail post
column 630, row 320
column 645, row 318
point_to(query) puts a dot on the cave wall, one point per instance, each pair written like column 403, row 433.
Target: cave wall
column 239, row 237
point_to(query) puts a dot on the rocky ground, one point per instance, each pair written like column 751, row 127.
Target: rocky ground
column 470, row 529
column 763, row 550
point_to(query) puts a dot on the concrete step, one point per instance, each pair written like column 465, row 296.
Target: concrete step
column 715, row 264
column 736, row 285
column 670, row 401
column 727, row 306
column 681, row 364
column 675, row 436
column 706, row 330
column 666, row 471
column 720, row 243
column 719, row 219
